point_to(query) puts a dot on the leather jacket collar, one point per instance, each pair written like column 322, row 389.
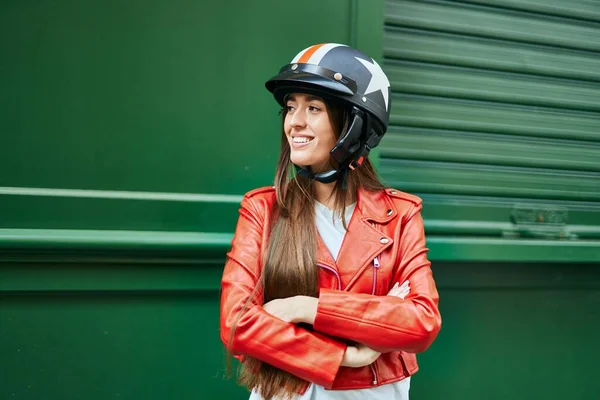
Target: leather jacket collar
column 372, row 208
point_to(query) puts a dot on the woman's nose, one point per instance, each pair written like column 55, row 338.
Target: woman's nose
column 298, row 119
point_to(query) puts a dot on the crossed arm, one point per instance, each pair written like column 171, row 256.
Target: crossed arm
column 303, row 309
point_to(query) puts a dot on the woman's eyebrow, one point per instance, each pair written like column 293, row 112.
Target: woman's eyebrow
column 308, row 98
column 313, row 98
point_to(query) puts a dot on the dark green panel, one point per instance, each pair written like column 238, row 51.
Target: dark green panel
column 147, row 104
column 112, row 345
column 369, row 36
column 521, row 332
column 368, row 20
column 148, row 96
column 84, row 274
column 517, row 322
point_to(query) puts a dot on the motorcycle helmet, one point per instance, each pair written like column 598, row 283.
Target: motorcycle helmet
column 338, row 71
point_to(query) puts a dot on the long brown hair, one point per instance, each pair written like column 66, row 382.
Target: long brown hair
column 290, row 267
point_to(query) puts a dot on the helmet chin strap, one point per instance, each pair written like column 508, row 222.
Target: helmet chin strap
column 323, row 177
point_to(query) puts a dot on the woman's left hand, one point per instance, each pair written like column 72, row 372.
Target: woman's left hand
column 294, row 309
column 400, row 291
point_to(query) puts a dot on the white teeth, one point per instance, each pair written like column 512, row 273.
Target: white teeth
column 301, row 139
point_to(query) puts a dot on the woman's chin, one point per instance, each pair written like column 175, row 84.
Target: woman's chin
column 300, row 161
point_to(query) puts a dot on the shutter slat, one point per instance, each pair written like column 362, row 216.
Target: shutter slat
column 442, row 113
column 481, row 180
column 578, row 9
column 479, row 148
column 493, row 55
column 499, row 24
column 475, row 84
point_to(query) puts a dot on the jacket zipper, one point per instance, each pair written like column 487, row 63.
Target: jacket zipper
column 374, row 374
column 339, row 281
column 375, row 268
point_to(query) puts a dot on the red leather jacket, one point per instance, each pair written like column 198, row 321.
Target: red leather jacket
column 384, row 244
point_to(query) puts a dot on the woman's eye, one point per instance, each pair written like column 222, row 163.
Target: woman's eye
column 289, row 108
column 314, row 109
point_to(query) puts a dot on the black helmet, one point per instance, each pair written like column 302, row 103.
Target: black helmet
column 345, row 74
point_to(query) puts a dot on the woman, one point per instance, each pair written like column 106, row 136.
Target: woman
column 327, row 292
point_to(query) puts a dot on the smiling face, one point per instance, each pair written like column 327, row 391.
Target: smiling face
column 309, row 132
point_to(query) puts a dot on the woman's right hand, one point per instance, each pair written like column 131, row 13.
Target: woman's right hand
column 359, row 356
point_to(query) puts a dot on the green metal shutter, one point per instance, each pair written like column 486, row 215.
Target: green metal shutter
column 496, row 125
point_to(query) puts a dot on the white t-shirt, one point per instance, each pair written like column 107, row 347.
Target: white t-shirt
column 332, row 232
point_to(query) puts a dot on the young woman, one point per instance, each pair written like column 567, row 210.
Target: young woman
column 327, row 292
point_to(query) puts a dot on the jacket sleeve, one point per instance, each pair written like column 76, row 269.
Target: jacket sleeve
column 308, row 355
column 388, row 323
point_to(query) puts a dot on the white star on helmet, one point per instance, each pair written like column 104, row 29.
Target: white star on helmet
column 378, row 80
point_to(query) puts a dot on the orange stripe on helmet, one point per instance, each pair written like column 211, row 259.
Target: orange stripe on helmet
column 308, row 53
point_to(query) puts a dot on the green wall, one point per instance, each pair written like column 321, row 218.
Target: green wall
column 128, row 133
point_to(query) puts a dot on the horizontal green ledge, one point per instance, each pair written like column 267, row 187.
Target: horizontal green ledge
column 512, row 250
column 72, row 238
column 31, row 245
column 509, row 230
column 112, row 246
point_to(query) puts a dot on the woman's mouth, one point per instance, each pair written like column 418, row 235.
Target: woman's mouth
column 300, row 141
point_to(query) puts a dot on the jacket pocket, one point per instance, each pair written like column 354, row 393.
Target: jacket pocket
column 409, row 362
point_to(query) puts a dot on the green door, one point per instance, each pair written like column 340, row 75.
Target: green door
column 496, row 124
